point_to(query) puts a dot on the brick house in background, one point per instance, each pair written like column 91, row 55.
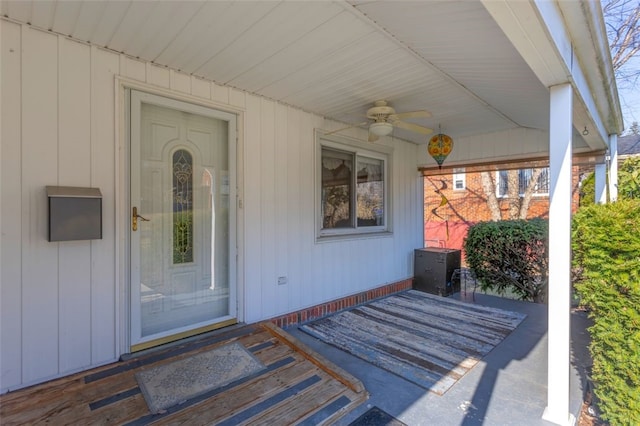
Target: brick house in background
column 455, row 201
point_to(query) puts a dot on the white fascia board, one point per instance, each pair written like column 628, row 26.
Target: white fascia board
column 538, row 31
column 587, row 27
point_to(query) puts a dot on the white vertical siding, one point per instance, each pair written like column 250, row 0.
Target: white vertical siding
column 280, row 237
column 281, row 208
column 497, row 146
column 267, row 236
column 39, row 168
column 74, row 148
column 59, row 127
column 252, row 209
column 132, row 68
column 294, row 211
column 10, row 207
column 104, row 65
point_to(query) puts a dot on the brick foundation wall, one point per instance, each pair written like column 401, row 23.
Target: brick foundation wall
column 324, row 309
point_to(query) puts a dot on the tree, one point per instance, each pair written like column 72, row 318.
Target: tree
column 518, row 203
column 622, row 19
column 489, row 189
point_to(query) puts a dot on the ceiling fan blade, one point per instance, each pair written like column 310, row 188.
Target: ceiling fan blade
column 413, row 127
column 410, row 114
column 346, row 128
column 373, row 137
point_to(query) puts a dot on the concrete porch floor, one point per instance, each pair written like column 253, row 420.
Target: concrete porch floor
column 508, row 387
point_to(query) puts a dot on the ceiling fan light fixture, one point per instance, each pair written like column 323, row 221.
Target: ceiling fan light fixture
column 381, row 128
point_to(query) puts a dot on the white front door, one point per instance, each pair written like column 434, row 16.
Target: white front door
column 182, row 219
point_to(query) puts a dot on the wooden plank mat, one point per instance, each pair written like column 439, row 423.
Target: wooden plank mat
column 297, row 387
column 429, row 340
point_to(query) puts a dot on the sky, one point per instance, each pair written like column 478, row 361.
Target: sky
column 628, row 88
column 629, row 94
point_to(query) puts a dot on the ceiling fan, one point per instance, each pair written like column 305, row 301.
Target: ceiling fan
column 385, row 119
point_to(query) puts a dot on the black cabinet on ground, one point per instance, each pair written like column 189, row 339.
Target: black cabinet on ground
column 433, row 267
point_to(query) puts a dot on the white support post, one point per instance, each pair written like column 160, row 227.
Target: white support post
column 613, row 167
column 559, row 294
column 601, row 183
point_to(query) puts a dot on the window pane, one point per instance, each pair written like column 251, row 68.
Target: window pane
column 503, row 184
column 524, row 179
column 543, row 182
column 458, row 178
column 337, row 182
column 541, row 185
column 370, row 192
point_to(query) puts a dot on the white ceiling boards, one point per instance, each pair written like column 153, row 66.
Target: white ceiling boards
column 468, row 63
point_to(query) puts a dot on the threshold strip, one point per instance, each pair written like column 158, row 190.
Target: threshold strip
column 167, row 354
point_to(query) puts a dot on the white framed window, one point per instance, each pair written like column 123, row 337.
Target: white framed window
column 352, row 188
column 459, row 183
column 524, row 179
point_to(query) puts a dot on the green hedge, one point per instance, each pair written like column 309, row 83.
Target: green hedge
column 629, row 179
column 588, row 190
column 606, row 260
column 628, row 183
column 510, row 256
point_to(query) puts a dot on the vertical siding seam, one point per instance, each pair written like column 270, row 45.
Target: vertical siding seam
column 283, row 207
column 274, row 211
column 117, row 172
column 91, row 142
column 58, row 85
column 22, row 236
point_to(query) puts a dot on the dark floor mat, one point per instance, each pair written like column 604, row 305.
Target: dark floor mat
column 376, row 417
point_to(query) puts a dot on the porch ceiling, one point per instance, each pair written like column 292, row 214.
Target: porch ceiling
column 330, row 58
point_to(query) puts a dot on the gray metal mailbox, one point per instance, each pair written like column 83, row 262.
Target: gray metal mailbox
column 74, row 213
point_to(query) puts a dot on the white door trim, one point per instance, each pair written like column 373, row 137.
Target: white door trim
column 123, row 87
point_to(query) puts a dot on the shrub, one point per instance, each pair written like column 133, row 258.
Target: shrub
column 510, row 255
column 606, row 259
column 628, row 183
column 588, row 190
column 629, row 179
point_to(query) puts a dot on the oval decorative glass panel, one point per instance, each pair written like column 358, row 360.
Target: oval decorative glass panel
column 440, row 147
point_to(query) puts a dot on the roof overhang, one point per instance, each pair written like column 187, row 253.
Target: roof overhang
column 483, row 69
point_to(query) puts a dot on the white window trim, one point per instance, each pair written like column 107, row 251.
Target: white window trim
column 357, row 148
column 498, row 195
column 459, row 174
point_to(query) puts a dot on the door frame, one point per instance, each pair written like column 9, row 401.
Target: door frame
column 123, row 115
